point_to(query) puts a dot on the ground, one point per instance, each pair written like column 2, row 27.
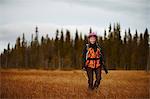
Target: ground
column 73, row 84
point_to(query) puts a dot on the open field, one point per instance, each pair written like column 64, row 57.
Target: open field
column 73, row 84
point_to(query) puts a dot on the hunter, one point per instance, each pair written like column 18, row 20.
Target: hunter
column 93, row 61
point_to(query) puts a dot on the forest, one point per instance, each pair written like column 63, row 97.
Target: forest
column 128, row 52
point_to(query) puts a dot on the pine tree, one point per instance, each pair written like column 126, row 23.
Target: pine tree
column 109, row 28
column 146, row 49
column 62, row 49
column 76, row 50
column 68, row 50
column 90, row 30
column 129, row 44
column 18, row 52
column 57, row 51
column 125, row 51
column 141, row 53
column 134, row 55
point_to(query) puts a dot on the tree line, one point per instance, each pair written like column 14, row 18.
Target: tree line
column 63, row 52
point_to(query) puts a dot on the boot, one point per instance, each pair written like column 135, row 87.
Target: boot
column 90, row 88
column 96, row 85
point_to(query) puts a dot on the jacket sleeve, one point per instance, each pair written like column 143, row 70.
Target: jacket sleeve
column 102, row 58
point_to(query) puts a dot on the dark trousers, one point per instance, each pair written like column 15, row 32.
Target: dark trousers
column 90, row 72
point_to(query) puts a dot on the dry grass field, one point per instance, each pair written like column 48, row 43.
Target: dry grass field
column 23, row 84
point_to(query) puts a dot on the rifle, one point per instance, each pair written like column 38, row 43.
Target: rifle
column 105, row 69
column 102, row 59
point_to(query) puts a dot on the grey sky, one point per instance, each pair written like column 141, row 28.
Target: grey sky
column 21, row 16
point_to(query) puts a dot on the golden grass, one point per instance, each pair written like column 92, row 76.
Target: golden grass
column 72, row 84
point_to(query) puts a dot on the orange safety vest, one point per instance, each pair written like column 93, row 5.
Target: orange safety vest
column 93, row 58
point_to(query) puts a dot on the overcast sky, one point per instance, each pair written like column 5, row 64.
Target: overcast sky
column 21, row 16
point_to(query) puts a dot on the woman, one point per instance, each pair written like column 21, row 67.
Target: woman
column 93, row 61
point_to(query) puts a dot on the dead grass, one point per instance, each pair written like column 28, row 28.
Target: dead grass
column 72, row 85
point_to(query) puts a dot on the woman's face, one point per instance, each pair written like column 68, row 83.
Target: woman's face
column 92, row 39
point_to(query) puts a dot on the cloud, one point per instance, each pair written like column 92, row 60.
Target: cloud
column 9, row 32
column 21, row 16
